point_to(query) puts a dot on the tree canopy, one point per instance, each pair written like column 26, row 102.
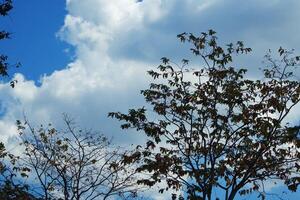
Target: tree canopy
column 211, row 129
column 75, row 163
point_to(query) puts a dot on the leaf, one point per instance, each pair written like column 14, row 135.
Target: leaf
column 185, row 62
column 211, row 32
column 165, row 60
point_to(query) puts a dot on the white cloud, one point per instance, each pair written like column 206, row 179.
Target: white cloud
column 117, row 41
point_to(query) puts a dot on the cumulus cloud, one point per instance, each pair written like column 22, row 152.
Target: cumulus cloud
column 117, row 41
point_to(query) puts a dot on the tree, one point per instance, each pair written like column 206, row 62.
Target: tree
column 10, row 191
column 12, row 186
column 5, row 8
column 76, row 164
column 212, row 129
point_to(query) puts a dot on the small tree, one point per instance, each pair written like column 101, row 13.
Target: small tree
column 76, row 164
column 217, row 130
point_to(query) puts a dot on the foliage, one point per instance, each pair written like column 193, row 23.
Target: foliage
column 76, row 164
column 9, row 191
column 5, row 8
column 12, row 186
column 217, row 130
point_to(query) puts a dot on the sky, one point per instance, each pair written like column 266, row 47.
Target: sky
column 89, row 57
column 33, row 25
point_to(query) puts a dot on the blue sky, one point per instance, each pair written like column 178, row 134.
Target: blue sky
column 89, row 57
column 33, row 25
